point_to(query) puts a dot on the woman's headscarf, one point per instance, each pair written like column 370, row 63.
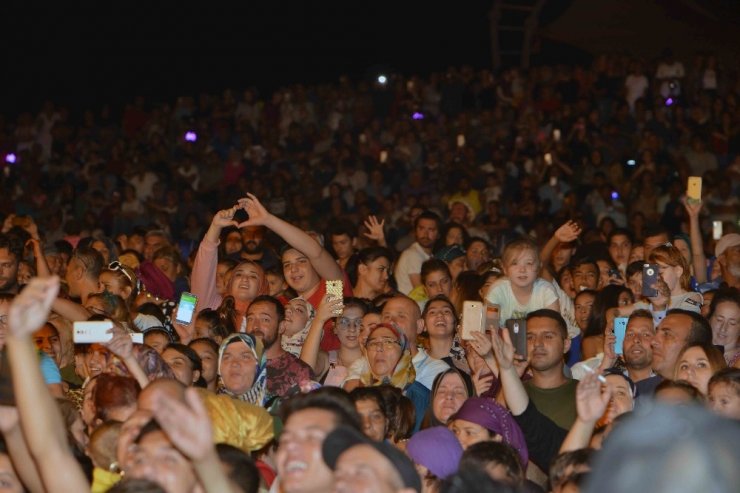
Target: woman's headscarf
column 404, row 374
column 257, row 394
column 294, row 343
column 430, row 419
column 493, row 417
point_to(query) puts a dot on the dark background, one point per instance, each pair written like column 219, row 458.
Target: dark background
column 86, row 56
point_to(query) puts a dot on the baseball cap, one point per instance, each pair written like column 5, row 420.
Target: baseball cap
column 450, row 253
column 727, row 241
column 343, row 438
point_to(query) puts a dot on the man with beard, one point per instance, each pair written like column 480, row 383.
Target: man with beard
column 637, row 353
column 550, row 390
column 408, row 267
column 11, row 251
column 266, row 321
column 253, row 247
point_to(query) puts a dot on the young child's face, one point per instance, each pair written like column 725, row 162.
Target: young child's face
column 724, row 400
column 522, row 268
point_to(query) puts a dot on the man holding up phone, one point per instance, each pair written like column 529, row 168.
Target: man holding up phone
column 637, row 352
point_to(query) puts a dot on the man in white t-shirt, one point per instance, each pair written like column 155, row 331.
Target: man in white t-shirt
column 408, row 267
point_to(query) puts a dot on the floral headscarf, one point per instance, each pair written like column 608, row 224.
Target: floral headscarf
column 404, row 374
column 257, row 394
column 294, row 343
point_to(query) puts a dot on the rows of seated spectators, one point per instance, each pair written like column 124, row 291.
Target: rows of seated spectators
column 467, row 281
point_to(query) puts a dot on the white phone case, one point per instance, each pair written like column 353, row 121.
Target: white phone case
column 97, row 332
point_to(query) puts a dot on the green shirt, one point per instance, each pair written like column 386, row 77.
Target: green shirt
column 558, row 404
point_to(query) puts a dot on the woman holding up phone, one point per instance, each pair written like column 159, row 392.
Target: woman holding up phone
column 671, row 288
column 246, row 281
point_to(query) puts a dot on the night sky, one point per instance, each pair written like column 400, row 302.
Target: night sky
column 84, row 57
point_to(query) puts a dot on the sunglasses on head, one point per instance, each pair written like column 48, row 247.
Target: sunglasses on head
column 118, row 266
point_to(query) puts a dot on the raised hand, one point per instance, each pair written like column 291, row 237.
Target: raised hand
column 121, row 344
column 660, row 301
column 258, row 215
column 693, row 207
column 591, row 398
column 30, row 309
column 186, row 332
column 610, row 356
column 481, row 343
column 503, row 349
column 375, row 229
column 482, row 383
column 225, row 218
column 328, row 306
column 568, row 232
column 186, row 424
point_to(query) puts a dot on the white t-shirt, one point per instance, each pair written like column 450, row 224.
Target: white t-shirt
column 567, row 310
column 543, row 295
column 636, row 86
column 409, row 263
column 690, row 301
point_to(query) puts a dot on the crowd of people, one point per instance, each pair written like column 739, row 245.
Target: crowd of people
column 523, row 281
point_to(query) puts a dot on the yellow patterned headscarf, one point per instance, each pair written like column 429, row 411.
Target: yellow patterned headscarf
column 404, row 374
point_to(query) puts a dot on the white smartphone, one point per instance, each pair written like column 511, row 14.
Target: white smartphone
column 186, row 308
column 97, row 332
column 472, row 319
column 716, row 230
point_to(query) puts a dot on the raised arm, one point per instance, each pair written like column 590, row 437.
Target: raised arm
column 375, row 230
column 511, row 384
column 310, row 353
column 42, row 268
column 320, row 259
column 203, row 278
column 70, row 310
column 18, row 450
column 564, row 234
column 591, row 402
column 698, row 258
column 122, row 346
column 188, row 427
column 41, row 420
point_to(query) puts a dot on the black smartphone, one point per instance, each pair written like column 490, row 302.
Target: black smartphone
column 649, row 277
column 517, row 328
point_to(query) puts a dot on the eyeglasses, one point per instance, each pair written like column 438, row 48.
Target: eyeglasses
column 3, row 320
column 118, row 266
column 384, row 344
column 345, row 323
